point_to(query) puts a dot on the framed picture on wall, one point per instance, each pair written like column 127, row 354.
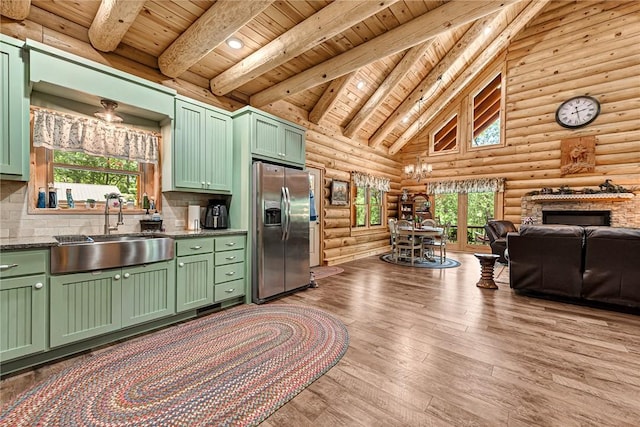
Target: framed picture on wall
column 339, row 192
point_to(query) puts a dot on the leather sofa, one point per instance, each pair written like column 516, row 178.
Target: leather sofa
column 497, row 231
column 600, row 264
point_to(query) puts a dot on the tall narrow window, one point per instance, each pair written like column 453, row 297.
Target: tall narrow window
column 445, row 139
column 486, row 114
column 367, row 206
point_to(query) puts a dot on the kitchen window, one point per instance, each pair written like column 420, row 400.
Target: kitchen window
column 63, row 159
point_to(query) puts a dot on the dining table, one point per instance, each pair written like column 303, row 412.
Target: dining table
column 422, row 232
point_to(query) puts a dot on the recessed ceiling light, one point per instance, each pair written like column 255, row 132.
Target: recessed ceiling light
column 360, row 84
column 405, row 120
column 235, row 43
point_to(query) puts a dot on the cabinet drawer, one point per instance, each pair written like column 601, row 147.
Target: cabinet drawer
column 231, row 289
column 229, row 257
column 228, row 243
column 194, row 246
column 224, row 273
column 22, row 263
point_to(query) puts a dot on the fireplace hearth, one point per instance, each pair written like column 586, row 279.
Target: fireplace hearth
column 577, row 217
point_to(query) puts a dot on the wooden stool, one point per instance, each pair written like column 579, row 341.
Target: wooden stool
column 487, row 262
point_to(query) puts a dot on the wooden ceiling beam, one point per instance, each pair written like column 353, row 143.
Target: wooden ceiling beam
column 112, row 21
column 471, row 71
column 215, row 25
column 330, row 97
column 394, row 78
column 416, row 31
column 329, row 21
column 15, row 9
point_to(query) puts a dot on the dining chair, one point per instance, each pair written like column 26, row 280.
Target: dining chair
column 393, row 231
column 407, row 243
column 438, row 242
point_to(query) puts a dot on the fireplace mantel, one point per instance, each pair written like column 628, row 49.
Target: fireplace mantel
column 599, row 197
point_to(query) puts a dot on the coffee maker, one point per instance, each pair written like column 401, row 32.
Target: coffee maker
column 216, row 215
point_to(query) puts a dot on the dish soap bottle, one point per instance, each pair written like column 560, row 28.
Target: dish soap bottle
column 70, row 203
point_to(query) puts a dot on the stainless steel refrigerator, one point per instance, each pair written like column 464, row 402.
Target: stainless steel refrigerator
column 280, row 230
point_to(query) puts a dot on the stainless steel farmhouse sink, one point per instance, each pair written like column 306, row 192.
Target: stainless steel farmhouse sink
column 88, row 253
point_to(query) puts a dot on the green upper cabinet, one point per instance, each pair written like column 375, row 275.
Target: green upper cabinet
column 201, row 151
column 271, row 138
column 14, row 111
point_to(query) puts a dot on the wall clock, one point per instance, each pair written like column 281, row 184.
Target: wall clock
column 577, row 112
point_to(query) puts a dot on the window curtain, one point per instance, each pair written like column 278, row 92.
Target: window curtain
column 467, row 186
column 365, row 180
column 62, row 131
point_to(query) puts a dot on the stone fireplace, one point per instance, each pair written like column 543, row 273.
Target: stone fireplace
column 623, row 209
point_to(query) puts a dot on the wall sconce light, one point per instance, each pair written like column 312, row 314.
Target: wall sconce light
column 109, row 113
column 420, row 170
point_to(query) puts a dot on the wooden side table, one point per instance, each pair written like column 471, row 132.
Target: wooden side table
column 487, row 261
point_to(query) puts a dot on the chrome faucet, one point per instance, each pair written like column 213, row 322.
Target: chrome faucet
column 108, row 228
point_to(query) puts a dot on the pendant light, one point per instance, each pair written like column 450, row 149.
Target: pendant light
column 108, row 114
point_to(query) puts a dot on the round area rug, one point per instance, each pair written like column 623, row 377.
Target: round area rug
column 234, row 367
column 448, row 262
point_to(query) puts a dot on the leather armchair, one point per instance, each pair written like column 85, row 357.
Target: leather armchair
column 497, row 233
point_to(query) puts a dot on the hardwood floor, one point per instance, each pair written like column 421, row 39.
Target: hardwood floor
column 429, row 348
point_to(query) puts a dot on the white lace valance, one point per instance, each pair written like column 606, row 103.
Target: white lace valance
column 62, row 131
column 467, row 186
column 361, row 179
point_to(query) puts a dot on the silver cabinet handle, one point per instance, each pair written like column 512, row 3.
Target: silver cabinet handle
column 231, row 273
column 116, row 277
column 229, row 290
column 7, row 266
column 38, row 285
column 231, row 244
column 230, row 257
column 126, row 275
column 181, row 264
column 208, row 184
column 195, row 248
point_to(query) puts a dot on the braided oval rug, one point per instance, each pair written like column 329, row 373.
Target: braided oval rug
column 231, row 368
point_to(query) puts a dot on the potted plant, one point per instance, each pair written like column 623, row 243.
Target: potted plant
column 91, row 203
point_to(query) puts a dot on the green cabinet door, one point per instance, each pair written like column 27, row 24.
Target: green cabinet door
column 148, row 292
column 84, row 305
column 274, row 139
column 23, row 308
column 14, row 112
column 188, row 154
column 194, row 281
column 294, row 144
column 202, row 153
column 266, row 141
column 218, row 151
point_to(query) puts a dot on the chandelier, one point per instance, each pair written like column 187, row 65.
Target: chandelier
column 420, row 170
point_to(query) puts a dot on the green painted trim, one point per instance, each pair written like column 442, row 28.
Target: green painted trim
column 69, row 71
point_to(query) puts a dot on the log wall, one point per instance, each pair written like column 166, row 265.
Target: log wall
column 570, row 49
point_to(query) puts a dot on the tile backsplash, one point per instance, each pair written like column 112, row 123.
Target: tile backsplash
column 16, row 222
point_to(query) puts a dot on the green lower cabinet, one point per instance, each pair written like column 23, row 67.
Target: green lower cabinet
column 84, row 305
column 194, row 281
column 23, row 320
column 232, row 289
column 148, row 292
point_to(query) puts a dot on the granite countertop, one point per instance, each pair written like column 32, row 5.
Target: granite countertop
column 43, row 242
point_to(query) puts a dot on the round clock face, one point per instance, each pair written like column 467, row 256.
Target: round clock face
column 577, row 112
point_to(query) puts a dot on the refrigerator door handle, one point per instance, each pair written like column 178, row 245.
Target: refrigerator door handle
column 285, row 214
column 286, row 190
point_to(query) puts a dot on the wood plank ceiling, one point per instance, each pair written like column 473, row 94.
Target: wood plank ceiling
column 308, row 53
